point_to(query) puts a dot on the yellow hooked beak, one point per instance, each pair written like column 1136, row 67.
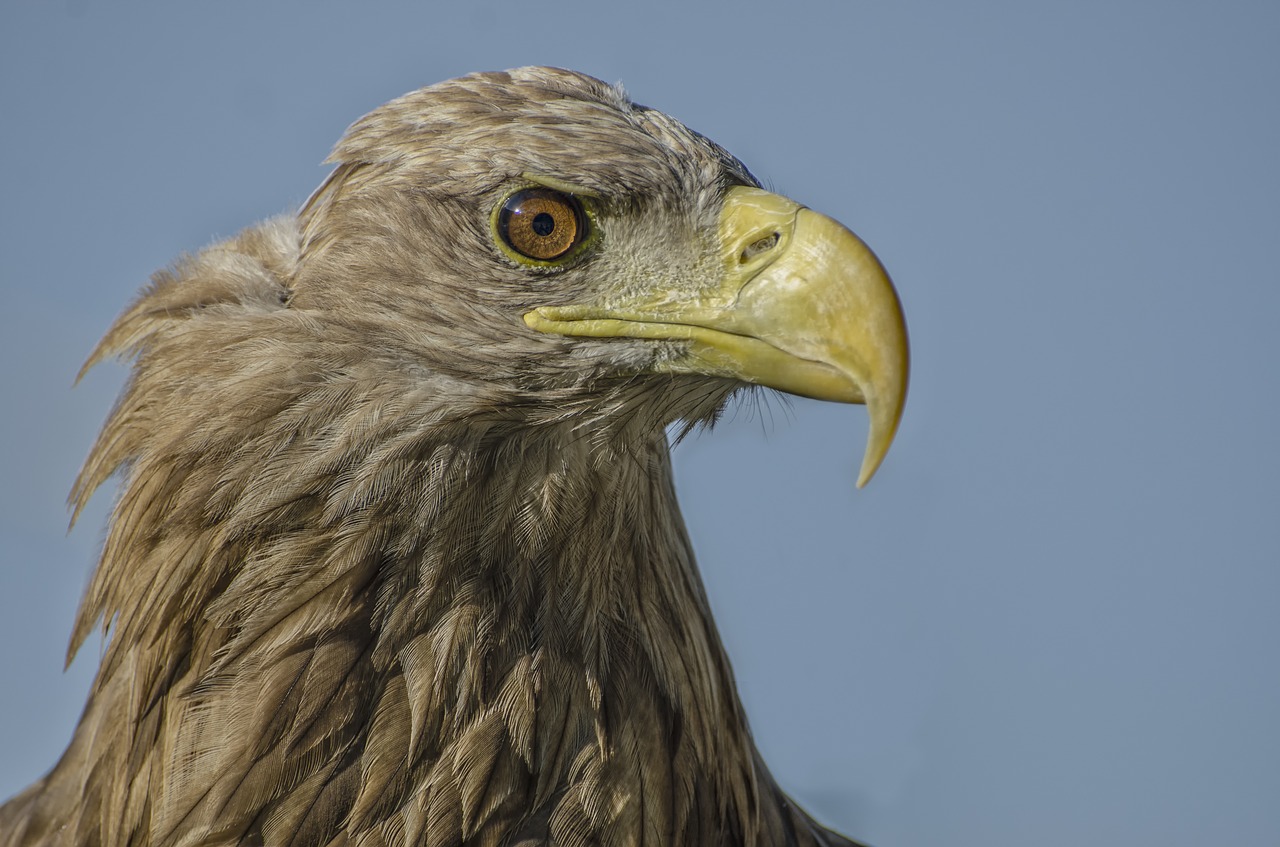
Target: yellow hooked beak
column 803, row 306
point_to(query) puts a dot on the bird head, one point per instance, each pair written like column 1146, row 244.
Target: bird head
column 563, row 254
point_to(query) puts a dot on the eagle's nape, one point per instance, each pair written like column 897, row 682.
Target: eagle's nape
column 397, row 557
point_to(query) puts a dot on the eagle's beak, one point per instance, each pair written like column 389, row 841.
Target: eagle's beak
column 803, row 306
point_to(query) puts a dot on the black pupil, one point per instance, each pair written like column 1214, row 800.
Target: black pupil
column 543, row 224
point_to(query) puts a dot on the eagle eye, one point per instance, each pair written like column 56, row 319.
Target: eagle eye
column 541, row 224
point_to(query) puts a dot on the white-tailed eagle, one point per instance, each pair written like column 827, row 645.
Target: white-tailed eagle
column 397, row 558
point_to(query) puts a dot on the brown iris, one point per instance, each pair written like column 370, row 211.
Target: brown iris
column 541, row 223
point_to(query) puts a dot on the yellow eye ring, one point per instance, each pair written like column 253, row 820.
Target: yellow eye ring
column 541, row 224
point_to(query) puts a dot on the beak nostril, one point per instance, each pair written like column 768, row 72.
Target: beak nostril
column 760, row 245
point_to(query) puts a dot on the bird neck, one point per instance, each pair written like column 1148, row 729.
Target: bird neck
column 556, row 594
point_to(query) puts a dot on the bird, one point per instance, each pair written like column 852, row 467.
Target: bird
column 396, row 556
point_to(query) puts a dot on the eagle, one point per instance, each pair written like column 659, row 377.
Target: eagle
column 396, row 557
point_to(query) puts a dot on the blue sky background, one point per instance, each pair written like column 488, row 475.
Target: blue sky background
column 1054, row 616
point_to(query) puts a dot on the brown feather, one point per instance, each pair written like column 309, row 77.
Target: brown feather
column 388, row 568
